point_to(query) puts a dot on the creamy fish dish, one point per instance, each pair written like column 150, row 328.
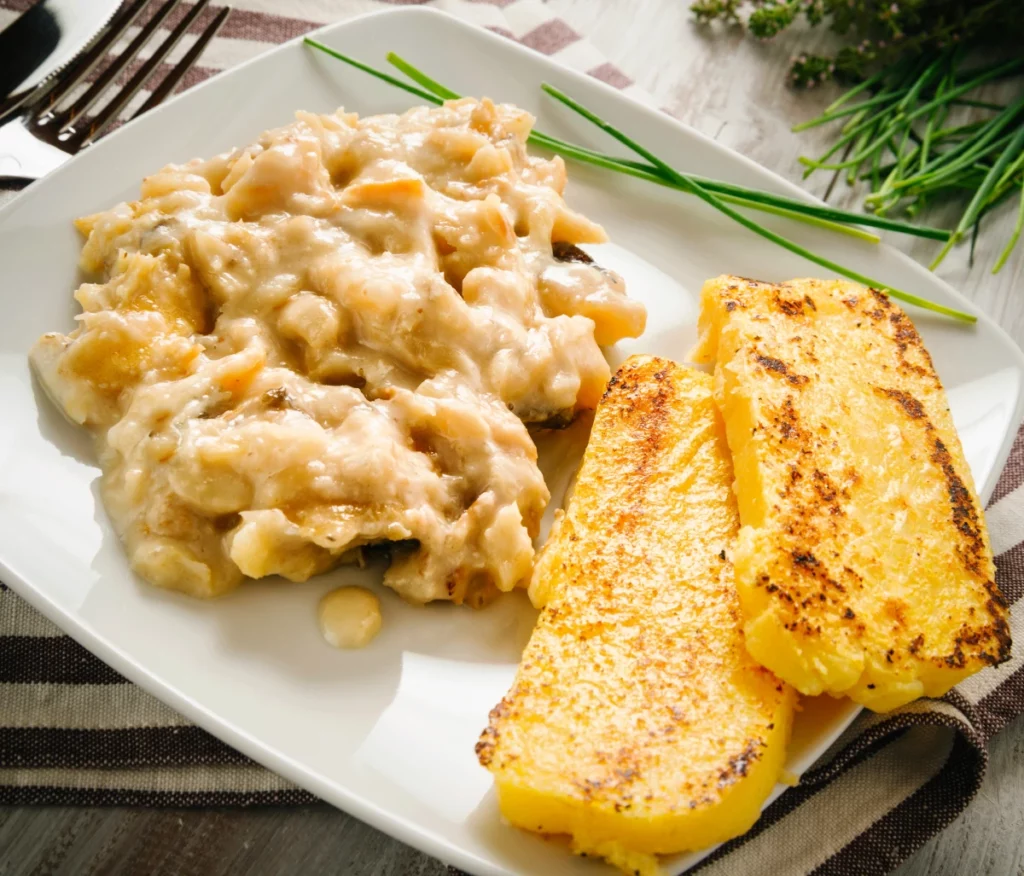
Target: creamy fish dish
column 335, row 337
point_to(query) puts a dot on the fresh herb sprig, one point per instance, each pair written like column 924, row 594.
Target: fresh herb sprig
column 915, row 68
column 876, row 34
column 654, row 169
column 900, row 140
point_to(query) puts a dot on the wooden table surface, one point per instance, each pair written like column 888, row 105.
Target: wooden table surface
column 730, row 88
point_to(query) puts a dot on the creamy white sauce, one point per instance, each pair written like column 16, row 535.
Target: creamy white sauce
column 333, row 337
column 349, row 617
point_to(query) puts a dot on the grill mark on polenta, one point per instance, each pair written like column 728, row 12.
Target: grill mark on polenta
column 740, row 763
column 827, row 491
column 806, row 562
column 485, row 746
column 792, row 306
column 647, row 427
column 882, row 305
column 911, row 406
column 965, row 514
column 907, row 338
column 615, row 380
column 881, row 298
column 787, row 421
column 596, row 720
column 795, row 429
column 980, row 638
column 788, row 306
column 971, row 549
column 896, row 610
column 777, row 366
column 620, row 771
column 812, row 584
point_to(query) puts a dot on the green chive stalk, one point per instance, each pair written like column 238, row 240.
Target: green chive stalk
column 909, row 154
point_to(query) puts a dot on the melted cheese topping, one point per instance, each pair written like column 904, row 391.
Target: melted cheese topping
column 333, row 337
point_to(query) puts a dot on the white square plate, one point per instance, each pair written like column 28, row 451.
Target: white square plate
column 386, row 733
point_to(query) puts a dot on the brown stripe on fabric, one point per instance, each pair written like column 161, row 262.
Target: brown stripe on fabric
column 1010, row 573
column 550, row 37
column 899, row 833
column 58, row 660
column 877, row 732
column 611, row 74
column 1005, row 703
column 501, row 31
column 1013, row 473
column 978, row 686
column 246, row 24
column 857, row 752
column 36, row 795
column 240, row 22
column 873, row 742
column 861, row 724
column 844, row 809
column 963, row 705
column 41, row 747
column 193, row 76
column 174, row 18
column 789, row 802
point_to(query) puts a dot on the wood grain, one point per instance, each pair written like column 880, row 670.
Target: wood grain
column 732, row 89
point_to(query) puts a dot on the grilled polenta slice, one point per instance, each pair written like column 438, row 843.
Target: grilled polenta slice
column 863, row 565
column 637, row 722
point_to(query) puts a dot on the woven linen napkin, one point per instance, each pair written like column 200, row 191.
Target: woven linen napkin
column 74, row 732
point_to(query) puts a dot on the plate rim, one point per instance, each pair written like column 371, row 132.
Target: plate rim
column 393, row 824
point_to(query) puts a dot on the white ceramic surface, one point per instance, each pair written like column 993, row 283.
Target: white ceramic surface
column 387, row 733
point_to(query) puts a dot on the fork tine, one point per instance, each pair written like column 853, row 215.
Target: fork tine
column 84, row 64
column 38, row 101
column 64, row 119
column 184, row 65
column 118, row 103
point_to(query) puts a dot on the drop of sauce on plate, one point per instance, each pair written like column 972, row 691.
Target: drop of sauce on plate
column 349, row 617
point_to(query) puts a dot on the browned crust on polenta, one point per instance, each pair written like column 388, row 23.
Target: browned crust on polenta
column 648, row 416
column 991, row 642
column 815, row 501
column 612, row 555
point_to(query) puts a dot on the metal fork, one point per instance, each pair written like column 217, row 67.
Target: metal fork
column 42, row 133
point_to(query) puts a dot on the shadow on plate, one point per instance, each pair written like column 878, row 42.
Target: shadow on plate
column 69, row 438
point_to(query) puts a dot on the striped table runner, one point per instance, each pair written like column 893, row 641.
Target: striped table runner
column 72, row 731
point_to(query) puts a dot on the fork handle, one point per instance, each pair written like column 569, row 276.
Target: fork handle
column 23, row 157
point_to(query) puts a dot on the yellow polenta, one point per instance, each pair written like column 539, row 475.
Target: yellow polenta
column 638, row 723
column 863, row 565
